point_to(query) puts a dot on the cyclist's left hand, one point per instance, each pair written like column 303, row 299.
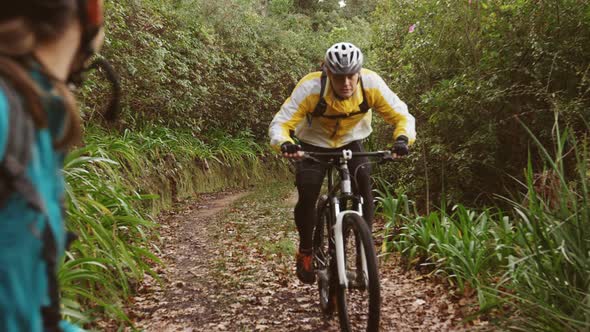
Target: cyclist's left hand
column 400, row 147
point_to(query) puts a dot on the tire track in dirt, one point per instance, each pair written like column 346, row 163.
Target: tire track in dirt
column 232, row 269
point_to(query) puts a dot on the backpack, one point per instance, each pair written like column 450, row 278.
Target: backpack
column 13, row 166
column 13, row 178
column 321, row 106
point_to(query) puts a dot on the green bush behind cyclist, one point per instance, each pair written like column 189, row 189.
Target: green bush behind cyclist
column 331, row 111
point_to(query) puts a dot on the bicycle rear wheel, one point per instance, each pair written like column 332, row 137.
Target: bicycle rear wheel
column 359, row 304
column 323, row 253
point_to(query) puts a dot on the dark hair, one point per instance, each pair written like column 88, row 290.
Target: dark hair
column 25, row 24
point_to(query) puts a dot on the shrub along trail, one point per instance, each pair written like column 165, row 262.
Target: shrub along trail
column 229, row 267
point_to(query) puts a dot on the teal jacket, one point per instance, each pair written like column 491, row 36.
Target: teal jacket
column 23, row 276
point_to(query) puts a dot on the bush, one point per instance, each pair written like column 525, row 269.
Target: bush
column 226, row 64
column 533, row 259
column 469, row 71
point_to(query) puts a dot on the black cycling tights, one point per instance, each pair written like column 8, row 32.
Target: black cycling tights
column 309, row 178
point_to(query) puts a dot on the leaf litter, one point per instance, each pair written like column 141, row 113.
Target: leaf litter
column 229, row 266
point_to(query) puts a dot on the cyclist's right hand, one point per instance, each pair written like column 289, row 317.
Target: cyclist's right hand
column 400, row 148
column 291, row 150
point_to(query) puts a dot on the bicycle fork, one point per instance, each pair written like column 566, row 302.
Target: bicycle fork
column 339, row 245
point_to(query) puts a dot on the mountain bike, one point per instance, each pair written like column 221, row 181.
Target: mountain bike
column 344, row 258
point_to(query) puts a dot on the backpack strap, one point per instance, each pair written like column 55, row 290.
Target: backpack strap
column 13, row 166
column 364, row 106
column 321, row 106
column 51, row 313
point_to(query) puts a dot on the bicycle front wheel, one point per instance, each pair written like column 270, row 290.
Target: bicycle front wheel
column 323, row 262
column 359, row 303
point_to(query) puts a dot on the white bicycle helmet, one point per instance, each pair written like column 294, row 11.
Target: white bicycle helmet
column 344, row 58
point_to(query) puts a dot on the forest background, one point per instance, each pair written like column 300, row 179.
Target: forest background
column 500, row 91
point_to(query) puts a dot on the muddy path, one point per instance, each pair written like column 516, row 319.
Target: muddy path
column 229, row 267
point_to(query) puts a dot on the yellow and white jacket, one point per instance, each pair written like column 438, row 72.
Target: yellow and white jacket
column 334, row 133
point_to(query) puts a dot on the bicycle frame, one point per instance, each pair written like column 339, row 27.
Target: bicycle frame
column 338, row 215
column 344, row 279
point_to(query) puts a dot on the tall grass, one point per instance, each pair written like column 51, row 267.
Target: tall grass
column 116, row 184
column 113, row 235
column 533, row 258
column 467, row 247
column 551, row 278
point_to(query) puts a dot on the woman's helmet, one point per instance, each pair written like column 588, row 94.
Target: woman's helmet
column 344, row 58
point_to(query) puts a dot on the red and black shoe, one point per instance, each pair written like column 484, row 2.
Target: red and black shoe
column 305, row 271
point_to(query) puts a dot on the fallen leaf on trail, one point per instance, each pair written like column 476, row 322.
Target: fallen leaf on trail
column 234, row 271
column 419, row 302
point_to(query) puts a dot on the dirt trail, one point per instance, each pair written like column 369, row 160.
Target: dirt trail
column 229, row 267
column 184, row 298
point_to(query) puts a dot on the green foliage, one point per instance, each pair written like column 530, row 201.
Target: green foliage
column 535, row 260
column 468, row 247
column 469, row 71
column 310, row 6
column 116, row 184
column 280, row 7
column 113, row 235
column 224, row 64
column 550, row 281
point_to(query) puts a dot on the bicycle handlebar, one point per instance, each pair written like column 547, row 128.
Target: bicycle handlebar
column 385, row 155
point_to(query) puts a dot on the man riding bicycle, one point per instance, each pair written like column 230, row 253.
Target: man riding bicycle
column 331, row 111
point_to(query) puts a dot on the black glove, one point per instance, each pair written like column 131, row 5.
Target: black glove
column 289, row 147
column 400, row 147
